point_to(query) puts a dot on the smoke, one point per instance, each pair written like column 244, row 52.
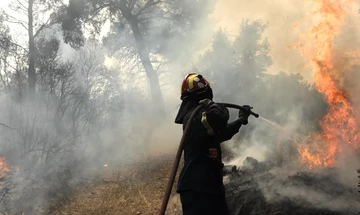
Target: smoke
column 297, row 108
column 282, row 17
column 317, row 191
column 254, row 150
column 92, row 107
column 107, row 116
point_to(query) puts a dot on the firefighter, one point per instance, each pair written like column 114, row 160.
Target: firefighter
column 200, row 183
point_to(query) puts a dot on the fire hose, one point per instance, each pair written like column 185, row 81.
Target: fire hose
column 180, row 149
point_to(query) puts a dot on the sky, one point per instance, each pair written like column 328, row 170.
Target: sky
column 281, row 15
column 4, row 3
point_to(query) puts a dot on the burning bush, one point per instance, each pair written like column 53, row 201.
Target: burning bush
column 333, row 63
column 3, row 167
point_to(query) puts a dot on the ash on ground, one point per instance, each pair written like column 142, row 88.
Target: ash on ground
column 255, row 189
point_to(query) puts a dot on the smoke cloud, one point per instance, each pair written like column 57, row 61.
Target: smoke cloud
column 107, row 111
column 287, row 24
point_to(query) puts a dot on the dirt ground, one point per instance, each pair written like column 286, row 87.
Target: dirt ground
column 138, row 189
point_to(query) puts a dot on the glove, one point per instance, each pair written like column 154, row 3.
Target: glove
column 206, row 103
column 244, row 114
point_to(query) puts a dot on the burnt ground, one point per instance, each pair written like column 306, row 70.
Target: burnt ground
column 254, row 189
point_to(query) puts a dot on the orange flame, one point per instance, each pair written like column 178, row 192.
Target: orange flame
column 339, row 128
column 3, row 167
column 106, row 165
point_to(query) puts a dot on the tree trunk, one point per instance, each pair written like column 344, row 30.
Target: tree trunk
column 144, row 54
column 32, row 57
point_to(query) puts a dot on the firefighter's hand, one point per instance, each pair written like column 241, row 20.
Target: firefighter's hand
column 206, row 103
column 244, row 114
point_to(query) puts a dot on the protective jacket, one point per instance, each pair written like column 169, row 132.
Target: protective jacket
column 202, row 171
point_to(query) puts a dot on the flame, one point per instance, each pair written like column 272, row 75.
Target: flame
column 106, row 165
column 3, row 167
column 331, row 63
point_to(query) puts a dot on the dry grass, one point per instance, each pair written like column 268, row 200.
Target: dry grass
column 138, row 189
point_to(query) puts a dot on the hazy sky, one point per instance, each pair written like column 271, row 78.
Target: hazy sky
column 4, row 3
column 281, row 15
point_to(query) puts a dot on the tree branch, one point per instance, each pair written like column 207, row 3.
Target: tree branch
column 14, row 44
column 7, row 126
column 18, row 22
column 3, row 196
column 14, row 18
column 47, row 24
column 132, row 4
column 22, row 5
column 147, row 5
column 43, row 26
column 96, row 12
column 160, row 16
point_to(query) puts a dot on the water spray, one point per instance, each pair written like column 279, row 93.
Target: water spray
column 297, row 138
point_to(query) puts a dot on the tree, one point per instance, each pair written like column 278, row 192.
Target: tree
column 237, row 65
column 75, row 104
column 238, row 71
column 219, row 65
column 5, row 51
column 11, row 61
column 33, row 26
column 251, row 49
column 152, row 24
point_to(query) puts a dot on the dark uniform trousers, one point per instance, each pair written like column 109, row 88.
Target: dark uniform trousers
column 196, row 203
